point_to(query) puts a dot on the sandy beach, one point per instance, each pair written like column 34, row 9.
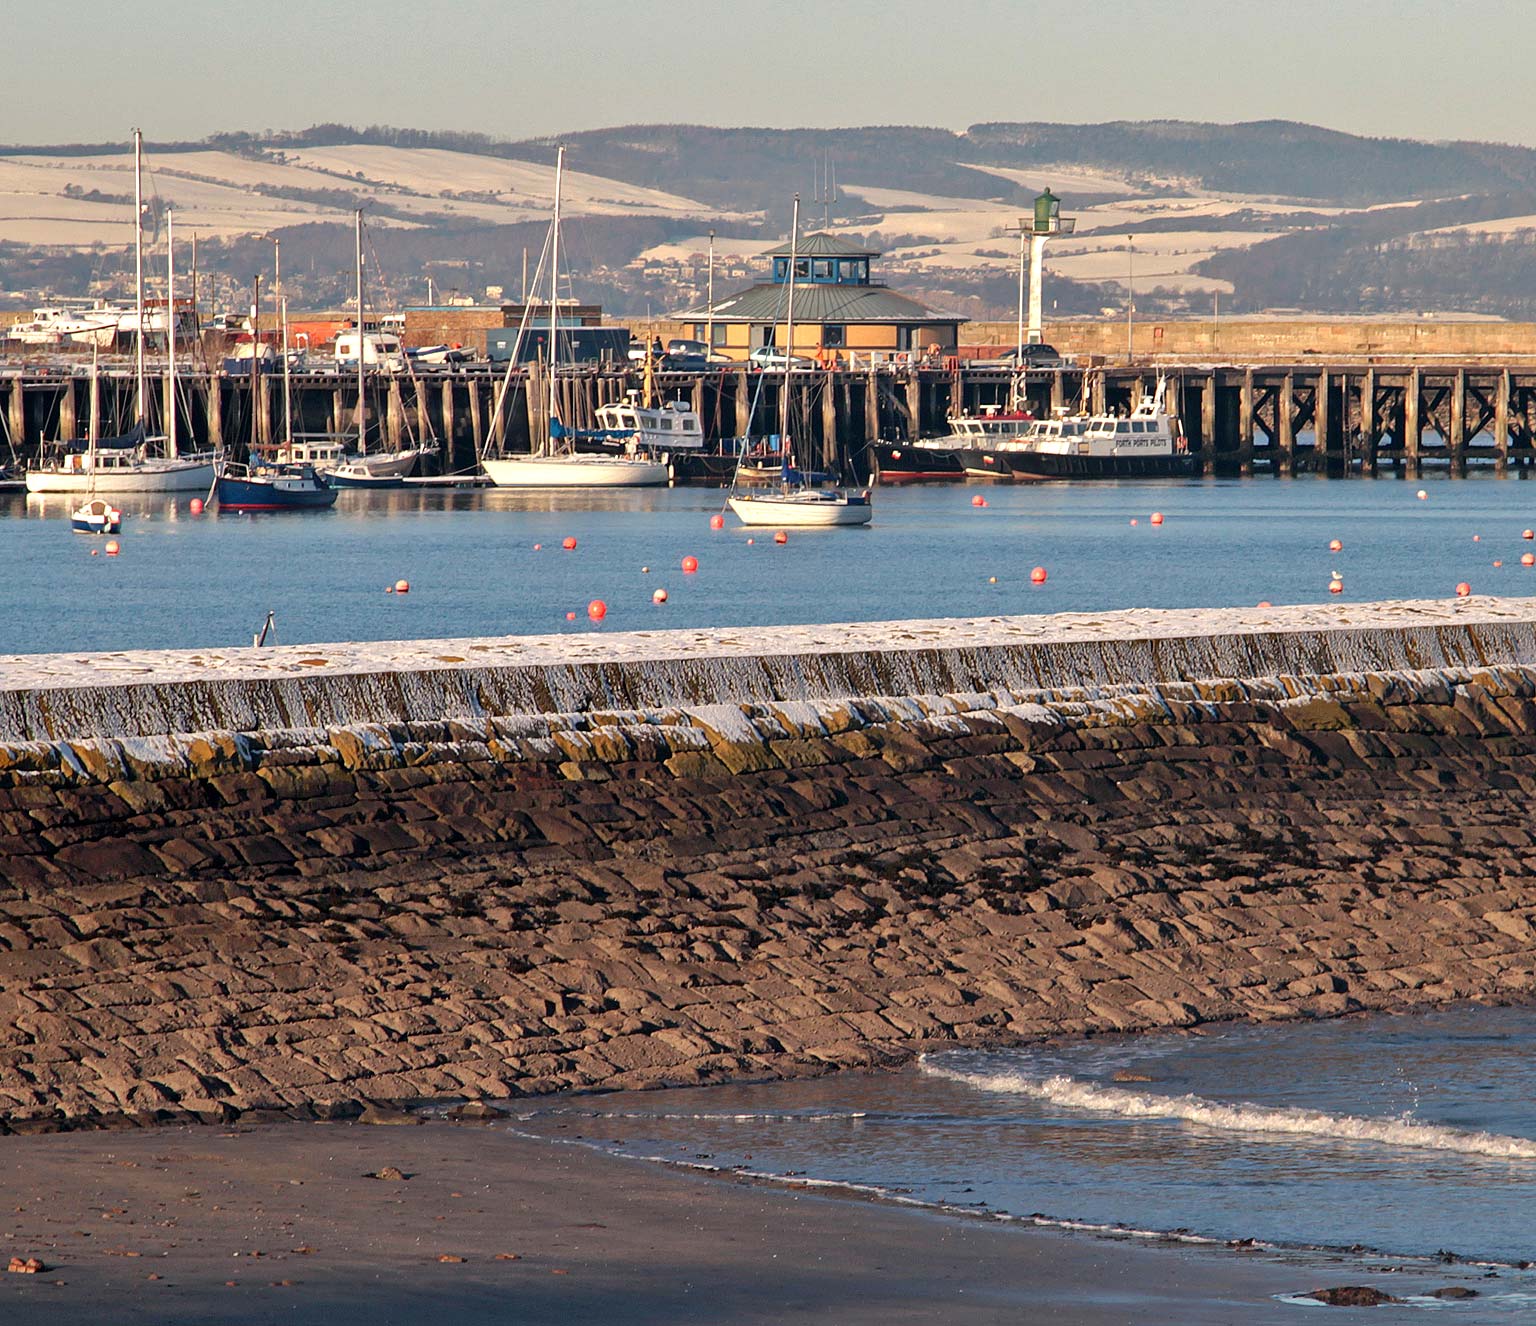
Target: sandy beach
column 280, row 1222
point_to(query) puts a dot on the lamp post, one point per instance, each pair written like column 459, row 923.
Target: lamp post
column 709, row 339
column 1130, row 299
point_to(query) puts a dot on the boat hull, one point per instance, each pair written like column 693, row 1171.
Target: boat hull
column 801, row 510
column 908, row 463
column 1046, row 465
column 380, row 464
column 153, row 476
column 576, row 472
column 273, row 494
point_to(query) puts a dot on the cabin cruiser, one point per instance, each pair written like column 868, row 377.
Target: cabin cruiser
column 976, row 439
column 670, row 427
column 1147, row 443
column 55, row 325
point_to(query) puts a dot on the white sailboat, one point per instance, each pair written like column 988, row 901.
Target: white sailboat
column 363, row 468
column 558, row 464
column 129, row 463
column 795, row 500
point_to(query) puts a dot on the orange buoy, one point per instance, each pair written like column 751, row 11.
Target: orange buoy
column 1037, row 576
column 660, row 596
column 538, row 547
column 389, row 589
column 690, row 565
column 1335, row 586
column 95, row 552
column 1335, row 545
column 568, row 542
column 112, row 548
column 570, row 616
column 1265, row 603
column 1528, row 534
column 978, row 500
column 1134, row 521
column 645, row 570
column 1157, row 517
column 1422, row 495
column 597, row 610
column 780, row 537
column 750, row 542
column 991, row 580
column 717, row 521
column 1463, row 589
column 1497, row 563
column 1528, row 559
column 196, row 506
column 1477, row 538
column 402, row 587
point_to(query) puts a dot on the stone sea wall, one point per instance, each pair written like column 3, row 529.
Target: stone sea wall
column 312, row 916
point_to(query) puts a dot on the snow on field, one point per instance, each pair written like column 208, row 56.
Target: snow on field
column 221, row 194
column 430, row 172
column 1063, row 179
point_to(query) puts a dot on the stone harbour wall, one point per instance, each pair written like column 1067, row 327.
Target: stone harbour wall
column 314, row 918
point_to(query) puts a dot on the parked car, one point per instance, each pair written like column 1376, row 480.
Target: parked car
column 1038, row 355
column 678, row 346
column 769, row 356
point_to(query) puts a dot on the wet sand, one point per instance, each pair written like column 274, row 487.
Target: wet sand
column 279, row 1223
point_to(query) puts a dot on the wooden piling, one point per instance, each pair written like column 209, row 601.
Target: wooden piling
column 1501, row 423
column 1412, row 432
column 1285, row 412
column 1458, row 437
column 16, row 421
column 1367, row 421
column 1245, row 424
column 67, row 411
column 1321, row 437
column 743, row 404
column 914, row 404
column 1207, row 420
column 476, row 424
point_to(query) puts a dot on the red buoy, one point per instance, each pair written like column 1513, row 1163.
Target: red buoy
column 1134, row 521
column 1037, row 576
column 1157, row 517
column 1265, row 603
column 1335, row 545
column 1528, row 559
column 402, row 587
column 978, row 500
column 1335, row 586
column 112, row 548
column 690, row 565
column 569, row 542
column 1422, row 495
column 538, row 547
column 570, row 616
column 196, row 506
column 597, row 610
column 1477, row 538
column 1463, row 589
column 780, row 537
column 717, row 521
column 1528, row 534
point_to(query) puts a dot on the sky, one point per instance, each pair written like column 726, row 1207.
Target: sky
column 91, row 70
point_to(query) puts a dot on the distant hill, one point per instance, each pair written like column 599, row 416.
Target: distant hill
column 1258, row 214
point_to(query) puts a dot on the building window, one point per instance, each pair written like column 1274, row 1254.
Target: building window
column 832, row 335
column 903, row 338
column 802, row 268
column 718, row 339
column 821, row 269
column 854, row 271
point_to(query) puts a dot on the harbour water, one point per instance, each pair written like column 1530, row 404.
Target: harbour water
column 1371, row 1143
column 490, row 562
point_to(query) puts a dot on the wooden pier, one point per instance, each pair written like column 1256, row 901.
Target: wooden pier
column 1335, row 418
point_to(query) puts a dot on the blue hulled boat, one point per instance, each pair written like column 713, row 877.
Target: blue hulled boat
column 262, row 487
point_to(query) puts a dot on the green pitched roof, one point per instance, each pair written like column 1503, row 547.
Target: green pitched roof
column 822, row 245
column 819, row 303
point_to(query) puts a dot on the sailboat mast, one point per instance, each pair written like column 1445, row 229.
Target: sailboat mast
column 362, row 418
column 138, row 265
column 282, row 304
column 170, row 335
column 554, row 292
column 789, row 318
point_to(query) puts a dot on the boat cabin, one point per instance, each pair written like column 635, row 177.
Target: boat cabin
column 379, row 348
column 670, row 427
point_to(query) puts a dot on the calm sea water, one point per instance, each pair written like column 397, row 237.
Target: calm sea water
column 1414, row 1136
column 469, row 556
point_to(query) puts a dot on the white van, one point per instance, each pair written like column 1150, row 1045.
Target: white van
column 380, row 349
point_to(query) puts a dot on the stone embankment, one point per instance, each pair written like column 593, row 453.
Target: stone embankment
column 308, row 918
